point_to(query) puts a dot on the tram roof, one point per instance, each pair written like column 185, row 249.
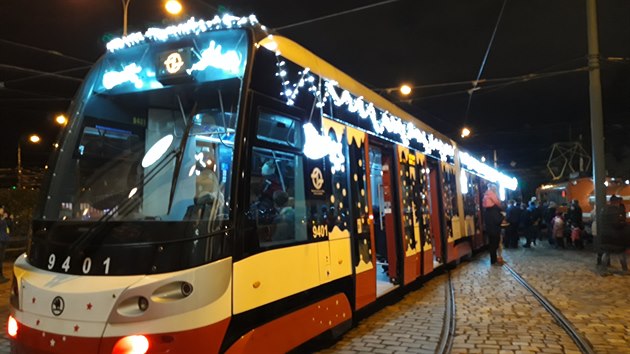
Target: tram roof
column 305, row 58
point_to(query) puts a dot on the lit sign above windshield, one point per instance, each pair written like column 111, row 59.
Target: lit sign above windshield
column 173, row 66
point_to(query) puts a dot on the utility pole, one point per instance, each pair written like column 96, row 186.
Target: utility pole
column 597, row 115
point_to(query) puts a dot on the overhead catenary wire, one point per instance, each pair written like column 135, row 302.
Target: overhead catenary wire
column 44, row 73
column 483, row 62
column 340, row 13
column 47, row 51
column 503, row 82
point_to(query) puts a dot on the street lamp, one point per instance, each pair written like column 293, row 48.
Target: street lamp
column 34, row 139
column 173, row 7
column 465, row 132
column 61, row 119
column 405, row 89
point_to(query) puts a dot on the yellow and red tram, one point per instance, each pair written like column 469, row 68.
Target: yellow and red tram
column 219, row 189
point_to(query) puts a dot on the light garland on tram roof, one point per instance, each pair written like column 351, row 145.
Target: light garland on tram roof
column 192, row 26
column 487, row 172
column 385, row 123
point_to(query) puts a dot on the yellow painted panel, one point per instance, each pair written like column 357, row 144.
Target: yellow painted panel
column 340, row 258
column 275, row 274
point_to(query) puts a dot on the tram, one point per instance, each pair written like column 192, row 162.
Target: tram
column 582, row 190
column 220, row 189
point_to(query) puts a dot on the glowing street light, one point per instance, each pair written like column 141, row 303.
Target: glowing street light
column 61, row 119
column 33, row 138
column 405, row 89
column 173, row 7
column 465, row 132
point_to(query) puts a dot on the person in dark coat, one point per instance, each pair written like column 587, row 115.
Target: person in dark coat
column 575, row 215
column 612, row 235
column 513, row 216
column 531, row 218
column 4, row 240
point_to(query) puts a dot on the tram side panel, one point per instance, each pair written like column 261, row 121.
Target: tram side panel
column 423, row 220
column 450, row 202
column 295, row 267
column 408, row 193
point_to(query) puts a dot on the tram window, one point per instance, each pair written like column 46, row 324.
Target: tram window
column 279, row 129
column 277, row 201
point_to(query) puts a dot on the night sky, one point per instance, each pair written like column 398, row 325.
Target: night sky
column 420, row 42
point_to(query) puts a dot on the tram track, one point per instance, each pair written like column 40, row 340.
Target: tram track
column 582, row 343
column 445, row 344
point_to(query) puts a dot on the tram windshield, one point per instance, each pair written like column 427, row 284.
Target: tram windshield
column 148, row 143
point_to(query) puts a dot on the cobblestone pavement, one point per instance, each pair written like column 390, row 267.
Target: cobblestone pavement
column 494, row 314
column 598, row 307
column 412, row 325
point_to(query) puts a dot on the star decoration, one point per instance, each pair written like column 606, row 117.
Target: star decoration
column 34, row 299
column 89, row 306
column 52, row 342
column 37, row 323
column 76, row 328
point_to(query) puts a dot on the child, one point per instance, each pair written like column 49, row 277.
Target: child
column 558, row 229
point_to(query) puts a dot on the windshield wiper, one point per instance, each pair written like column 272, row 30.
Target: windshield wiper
column 182, row 146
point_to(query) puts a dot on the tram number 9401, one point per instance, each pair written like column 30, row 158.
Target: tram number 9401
column 86, row 266
column 320, row 231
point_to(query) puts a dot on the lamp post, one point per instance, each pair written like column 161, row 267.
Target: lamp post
column 34, row 139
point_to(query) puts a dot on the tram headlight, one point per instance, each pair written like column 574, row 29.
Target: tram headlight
column 143, row 303
column 133, row 306
column 186, row 288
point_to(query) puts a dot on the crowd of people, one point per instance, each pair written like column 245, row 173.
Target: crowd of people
column 561, row 225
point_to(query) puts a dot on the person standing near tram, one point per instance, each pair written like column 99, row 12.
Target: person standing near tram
column 492, row 221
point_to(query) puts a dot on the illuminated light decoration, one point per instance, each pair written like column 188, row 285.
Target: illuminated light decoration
column 390, row 123
column 487, row 172
column 192, row 26
column 132, row 192
column 627, row 181
column 198, row 166
column 230, row 61
column 502, row 194
column 463, row 182
column 317, row 146
column 606, row 183
column 157, row 151
column 129, row 73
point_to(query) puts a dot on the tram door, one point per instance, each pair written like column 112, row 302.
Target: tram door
column 381, row 165
column 435, row 194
